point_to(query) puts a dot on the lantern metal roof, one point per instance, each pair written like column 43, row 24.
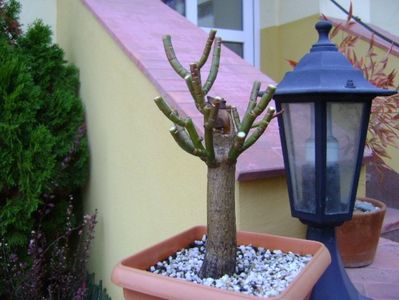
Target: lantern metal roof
column 324, row 70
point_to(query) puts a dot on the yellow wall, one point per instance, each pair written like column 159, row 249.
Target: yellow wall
column 264, row 206
column 361, row 188
column 144, row 187
column 288, row 41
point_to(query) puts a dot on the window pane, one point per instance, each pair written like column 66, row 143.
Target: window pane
column 178, row 5
column 225, row 14
column 236, row 47
column 343, row 138
column 299, row 135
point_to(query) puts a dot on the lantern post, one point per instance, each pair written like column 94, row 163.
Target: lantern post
column 326, row 105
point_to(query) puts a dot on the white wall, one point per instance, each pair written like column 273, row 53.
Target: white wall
column 268, row 13
column 382, row 13
column 278, row 12
column 39, row 9
column 361, row 9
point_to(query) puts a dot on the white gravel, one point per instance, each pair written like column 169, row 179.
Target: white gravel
column 364, row 206
column 259, row 272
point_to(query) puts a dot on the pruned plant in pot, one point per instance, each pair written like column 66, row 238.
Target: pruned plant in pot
column 226, row 136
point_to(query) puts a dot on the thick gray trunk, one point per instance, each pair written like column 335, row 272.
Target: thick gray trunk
column 220, row 257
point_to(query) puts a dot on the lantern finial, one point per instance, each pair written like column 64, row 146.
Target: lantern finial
column 324, row 43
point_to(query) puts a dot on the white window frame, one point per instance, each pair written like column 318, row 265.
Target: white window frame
column 249, row 36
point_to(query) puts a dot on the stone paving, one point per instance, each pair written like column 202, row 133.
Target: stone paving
column 390, row 229
column 380, row 280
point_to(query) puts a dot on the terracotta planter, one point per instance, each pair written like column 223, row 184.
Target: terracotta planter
column 137, row 283
column 358, row 238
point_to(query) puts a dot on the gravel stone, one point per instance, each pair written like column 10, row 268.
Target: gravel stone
column 259, row 272
column 364, row 206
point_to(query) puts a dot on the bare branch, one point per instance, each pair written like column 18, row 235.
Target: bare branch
column 211, row 112
column 217, row 115
column 236, row 117
column 264, row 101
column 170, row 113
column 214, row 66
column 254, row 110
column 183, row 140
column 259, row 130
column 235, row 150
column 170, row 54
column 195, row 138
column 196, row 84
column 253, row 96
column 187, row 123
column 199, row 102
column 207, row 48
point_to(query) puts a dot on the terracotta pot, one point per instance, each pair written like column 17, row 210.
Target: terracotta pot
column 137, row 283
column 358, row 238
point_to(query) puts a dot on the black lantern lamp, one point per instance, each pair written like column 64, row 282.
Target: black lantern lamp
column 326, row 106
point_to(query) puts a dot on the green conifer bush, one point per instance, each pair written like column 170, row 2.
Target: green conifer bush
column 43, row 145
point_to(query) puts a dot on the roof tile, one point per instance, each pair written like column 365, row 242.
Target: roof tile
column 138, row 26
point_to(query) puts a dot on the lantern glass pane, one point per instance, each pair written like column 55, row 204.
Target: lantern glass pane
column 343, row 139
column 299, row 132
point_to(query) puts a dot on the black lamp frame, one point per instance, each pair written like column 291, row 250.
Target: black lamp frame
column 320, row 118
column 325, row 75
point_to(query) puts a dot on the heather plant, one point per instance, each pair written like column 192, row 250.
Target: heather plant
column 10, row 28
column 55, row 269
column 43, row 153
column 96, row 291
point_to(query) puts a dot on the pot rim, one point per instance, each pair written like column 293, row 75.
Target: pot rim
column 128, row 276
column 375, row 202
